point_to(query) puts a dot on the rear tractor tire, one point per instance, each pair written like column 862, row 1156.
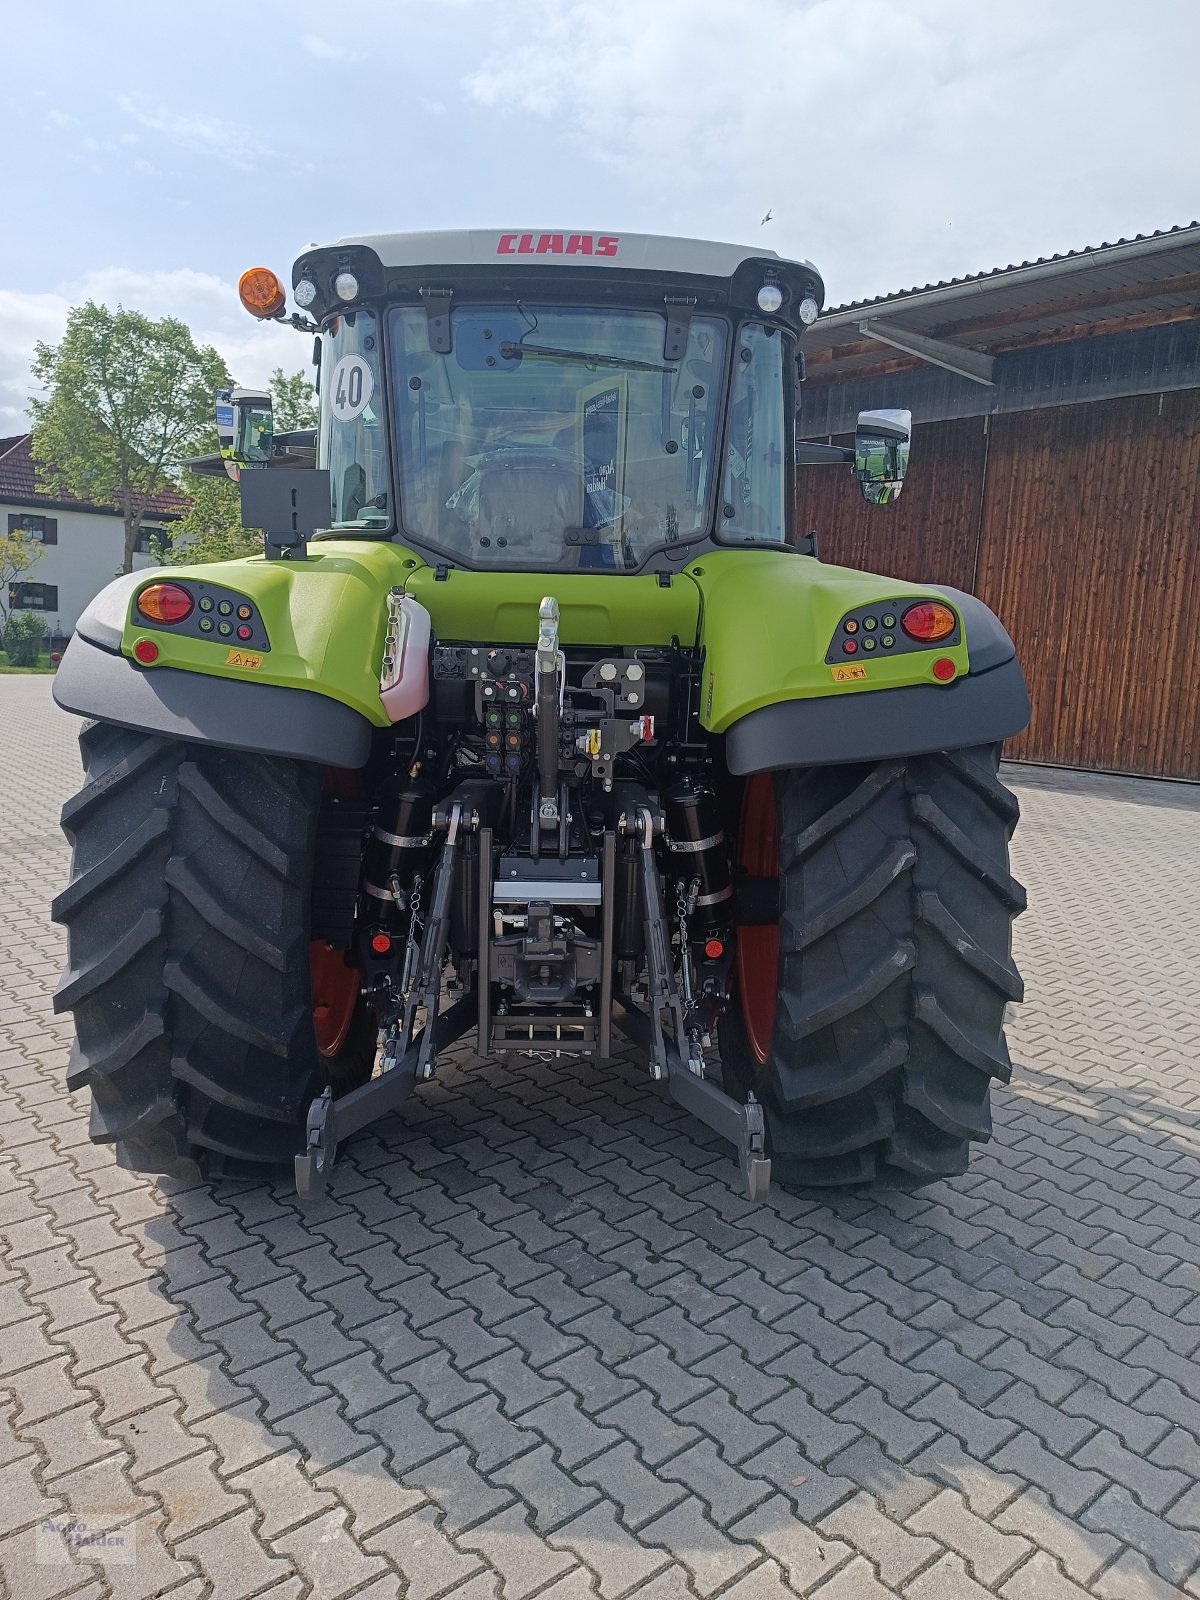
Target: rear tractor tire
column 869, row 1019
column 203, row 1028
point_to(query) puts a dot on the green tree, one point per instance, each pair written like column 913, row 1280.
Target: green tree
column 212, row 528
column 18, row 552
column 127, row 399
column 294, row 401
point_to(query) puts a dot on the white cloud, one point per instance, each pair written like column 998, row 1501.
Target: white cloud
column 231, row 142
column 312, row 44
column 24, row 319
column 61, row 119
column 894, row 143
column 206, row 302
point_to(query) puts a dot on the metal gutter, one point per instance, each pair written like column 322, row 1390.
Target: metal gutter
column 1100, row 256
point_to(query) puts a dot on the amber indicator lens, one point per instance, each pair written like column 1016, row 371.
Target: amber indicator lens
column 165, row 602
column 261, row 292
column 851, row 626
column 244, row 613
column 928, row 621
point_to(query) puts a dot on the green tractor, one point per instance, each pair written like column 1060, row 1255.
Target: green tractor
column 536, row 721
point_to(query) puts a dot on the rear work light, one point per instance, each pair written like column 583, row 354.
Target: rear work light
column 928, row 621
column 165, row 603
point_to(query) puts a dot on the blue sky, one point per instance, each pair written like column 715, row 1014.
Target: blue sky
column 152, row 151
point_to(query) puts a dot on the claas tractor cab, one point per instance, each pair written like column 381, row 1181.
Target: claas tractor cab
column 537, row 724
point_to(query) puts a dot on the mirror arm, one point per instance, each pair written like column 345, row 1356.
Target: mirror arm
column 823, row 455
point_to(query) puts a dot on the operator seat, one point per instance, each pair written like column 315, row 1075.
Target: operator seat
column 526, row 502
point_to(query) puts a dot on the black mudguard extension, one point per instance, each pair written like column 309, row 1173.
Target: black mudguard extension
column 981, row 708
column 199, row 709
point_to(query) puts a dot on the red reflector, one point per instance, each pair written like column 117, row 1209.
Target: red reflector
column 944, row 669
column 714, row 949
column 165, row 602
column 928, row 621
column 381, row 943
column 145, row 651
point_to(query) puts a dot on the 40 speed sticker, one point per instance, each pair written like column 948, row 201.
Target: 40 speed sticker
column 350, row 387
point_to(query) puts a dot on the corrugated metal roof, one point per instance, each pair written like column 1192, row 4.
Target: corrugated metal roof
column 1015, row 266
column 1148, row 280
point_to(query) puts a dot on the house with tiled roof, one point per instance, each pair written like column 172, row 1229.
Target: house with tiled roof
column 83, row 544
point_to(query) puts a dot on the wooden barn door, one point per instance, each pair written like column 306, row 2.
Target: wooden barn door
column 1080, row 527
column 1090, row 553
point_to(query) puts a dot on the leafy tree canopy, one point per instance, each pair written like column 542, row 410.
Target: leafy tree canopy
column 294, row 401
column 127, row 399
column 212, row 529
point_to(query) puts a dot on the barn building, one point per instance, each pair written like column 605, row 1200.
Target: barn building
column 1055, row 473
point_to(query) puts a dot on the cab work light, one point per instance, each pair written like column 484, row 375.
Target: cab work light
column 928, row 621
column 165, row 603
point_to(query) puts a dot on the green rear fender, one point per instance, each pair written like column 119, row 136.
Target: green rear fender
column 768, row 618
column 325, row 618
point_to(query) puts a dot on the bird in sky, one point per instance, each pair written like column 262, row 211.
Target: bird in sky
column 765, row 220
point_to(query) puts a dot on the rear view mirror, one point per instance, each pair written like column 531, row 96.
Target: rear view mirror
column 245, row 427
column 881, row 443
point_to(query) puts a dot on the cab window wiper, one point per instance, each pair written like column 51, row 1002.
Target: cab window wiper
column 588, row 358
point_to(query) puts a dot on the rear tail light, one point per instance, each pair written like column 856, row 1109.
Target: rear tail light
column 928, row 621
column 165, row 603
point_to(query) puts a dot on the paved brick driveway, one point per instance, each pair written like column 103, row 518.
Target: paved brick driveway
column 537, row 1345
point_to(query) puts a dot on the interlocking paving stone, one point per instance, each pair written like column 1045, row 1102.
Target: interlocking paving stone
column 536, row 1344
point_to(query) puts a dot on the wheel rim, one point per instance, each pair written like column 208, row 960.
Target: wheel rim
column 335, row 986
column 756, row 960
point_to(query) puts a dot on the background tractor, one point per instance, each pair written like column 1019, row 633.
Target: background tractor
column 537, row 720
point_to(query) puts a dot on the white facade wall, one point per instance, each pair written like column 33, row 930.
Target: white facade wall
column 89, row 554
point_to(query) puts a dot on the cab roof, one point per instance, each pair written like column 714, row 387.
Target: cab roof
column 641, row 252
